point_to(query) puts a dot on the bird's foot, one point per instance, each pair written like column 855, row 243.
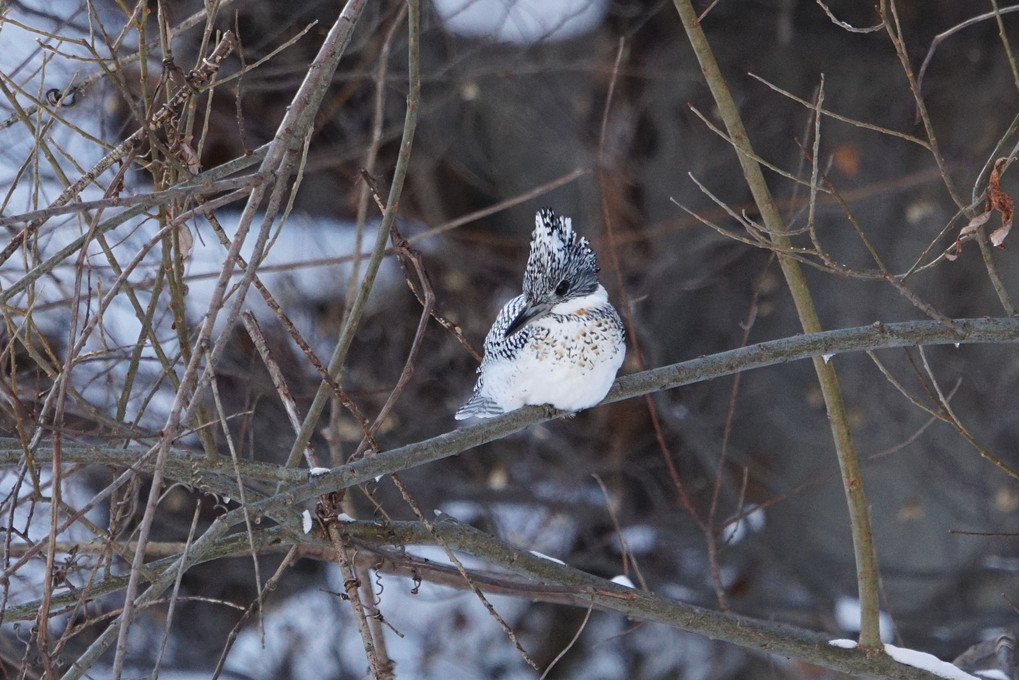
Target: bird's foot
column 553, row 412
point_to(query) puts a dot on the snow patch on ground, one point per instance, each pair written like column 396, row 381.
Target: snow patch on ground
column 310, row 634
column 523, row 22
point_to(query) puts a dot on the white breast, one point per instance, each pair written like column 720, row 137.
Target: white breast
column 570, row 360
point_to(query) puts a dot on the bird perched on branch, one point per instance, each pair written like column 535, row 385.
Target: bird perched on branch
column 561, row 342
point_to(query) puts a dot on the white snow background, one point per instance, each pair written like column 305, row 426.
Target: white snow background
column 523, row 22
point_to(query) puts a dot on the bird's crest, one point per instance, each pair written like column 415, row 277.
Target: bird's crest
column 558, row 254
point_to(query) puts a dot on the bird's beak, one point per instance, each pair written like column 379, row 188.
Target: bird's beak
column 528, row 314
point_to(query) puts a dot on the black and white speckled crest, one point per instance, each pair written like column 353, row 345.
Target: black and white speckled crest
column 558, row 255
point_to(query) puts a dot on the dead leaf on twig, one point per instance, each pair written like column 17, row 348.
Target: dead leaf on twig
column 974, row 224
column 185, row 244
column 998, row 200
column 189, row 157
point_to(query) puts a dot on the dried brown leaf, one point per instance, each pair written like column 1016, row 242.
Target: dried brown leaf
column 975, row 223
column 999, row 234
column 185, row 241
column 970, row 228
column 998, row 200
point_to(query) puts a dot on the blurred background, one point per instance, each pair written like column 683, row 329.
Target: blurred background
column 593, row 109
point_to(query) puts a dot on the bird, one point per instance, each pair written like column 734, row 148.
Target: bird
column 559, row 343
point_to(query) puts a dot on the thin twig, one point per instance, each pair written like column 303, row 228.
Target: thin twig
column 625, row 554
column 845, row 25
column 357, row 307
column 279, row 381
column 256, row 605
column 709, row 523
column 866, row 567
column 344, row 554
column 890, row 18
column 953, row 419
column 570, row 644
column 631, row 328
column 940, row 37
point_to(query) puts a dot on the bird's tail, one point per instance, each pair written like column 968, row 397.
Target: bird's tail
column 479, row 406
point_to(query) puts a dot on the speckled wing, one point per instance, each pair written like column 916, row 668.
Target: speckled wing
column 497, row 348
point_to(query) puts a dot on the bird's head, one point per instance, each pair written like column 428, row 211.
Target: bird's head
column 561, row 267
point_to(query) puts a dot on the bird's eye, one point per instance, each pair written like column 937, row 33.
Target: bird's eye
column 563, row 288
